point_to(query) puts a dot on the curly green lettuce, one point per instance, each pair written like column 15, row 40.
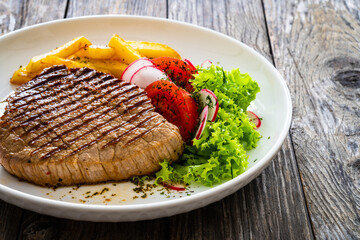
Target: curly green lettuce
column 220, row 153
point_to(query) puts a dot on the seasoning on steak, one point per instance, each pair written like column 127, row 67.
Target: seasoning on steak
column 74, row 126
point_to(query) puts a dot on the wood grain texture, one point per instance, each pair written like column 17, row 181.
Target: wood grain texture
column 10, row 13
column 272, row 206
column 15, row 14
column 36, row 226
column 226, row 16
column 316, row 46
column 156, row 8
column 10, row 220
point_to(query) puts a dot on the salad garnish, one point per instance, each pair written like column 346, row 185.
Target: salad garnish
column 220, row 153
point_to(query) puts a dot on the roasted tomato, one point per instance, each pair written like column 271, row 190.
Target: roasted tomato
column 176, row 105
column 179, row 71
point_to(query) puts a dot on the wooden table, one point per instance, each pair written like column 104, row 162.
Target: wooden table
column 312, row 187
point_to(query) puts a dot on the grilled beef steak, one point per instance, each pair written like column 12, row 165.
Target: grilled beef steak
column 74, row 126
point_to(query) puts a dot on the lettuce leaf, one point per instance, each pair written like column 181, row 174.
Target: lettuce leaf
column 220, row 154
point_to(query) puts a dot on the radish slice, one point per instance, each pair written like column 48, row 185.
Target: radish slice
column 206, row 64
column 147, row 75
column 173, row 187
column 203, row 119
column 190, row 63
column 255, row 119
column 208, row 98
column 133, row 67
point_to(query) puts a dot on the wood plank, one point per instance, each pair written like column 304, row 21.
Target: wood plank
column 272, row 206
column 155, row 8
column 10, row 220
column 316, row 47
column 38, row 226
column 10, row 16
column 15, row 15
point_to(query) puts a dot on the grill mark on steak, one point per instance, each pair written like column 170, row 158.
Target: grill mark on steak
column 134, row 139
column 58, row 81
column 66, row 83
column 63, row 87
column 104, row 111
column 107, row 132
column 59, row 125
column 144, row 101
column 56, row 107
column 73, row 107
column 41, row 79
column 107, row 110
column 133, row 97
column 132, row 119
column 34, row 95
column 67, row 86
column 116, row 140
column 26, row 106
column 109, row 120
column 59, row 99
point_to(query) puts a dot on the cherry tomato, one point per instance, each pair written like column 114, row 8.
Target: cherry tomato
column 176, row 105
column 179, row 71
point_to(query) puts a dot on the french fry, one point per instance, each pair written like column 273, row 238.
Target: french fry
column 54, row 60
column 21, row 76
column 123, row 50
column 154, row 50
column 79, row 52
column 96, row 52
column 112, row 66
column 71, row 47
column 63, row 51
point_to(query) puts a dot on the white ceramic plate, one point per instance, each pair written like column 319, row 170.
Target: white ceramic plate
column 118, row 202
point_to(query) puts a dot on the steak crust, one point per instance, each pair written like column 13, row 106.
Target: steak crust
column 76, row 126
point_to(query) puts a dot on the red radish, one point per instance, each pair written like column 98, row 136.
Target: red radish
column 203, row 119
column 173, row 187
column 206, row 64
column 133, row 67
column 255, row 119
column 208, row 98
column 144, row 76
column 192, row 67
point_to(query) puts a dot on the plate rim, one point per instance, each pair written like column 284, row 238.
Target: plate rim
column 244, row 178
